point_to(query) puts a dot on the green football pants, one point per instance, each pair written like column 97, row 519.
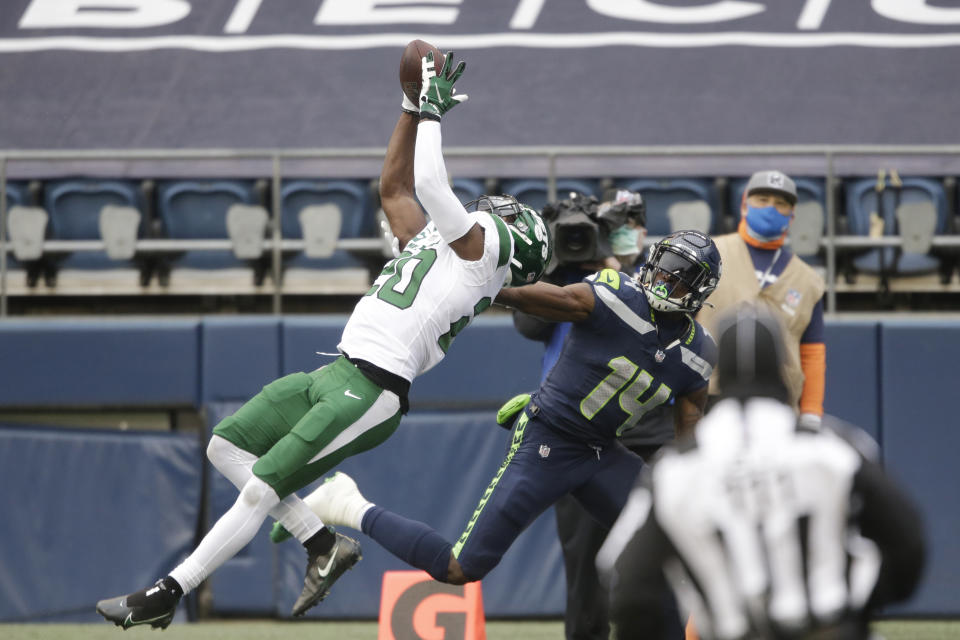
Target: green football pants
column 304, row 424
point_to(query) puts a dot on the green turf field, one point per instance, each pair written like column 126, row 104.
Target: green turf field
column 267, row 630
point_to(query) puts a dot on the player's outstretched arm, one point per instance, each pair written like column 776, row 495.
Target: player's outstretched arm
column 457, row 227
column 403, row 212
column 572, row 303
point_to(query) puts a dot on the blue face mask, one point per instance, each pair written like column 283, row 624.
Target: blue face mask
column 767, row 222
column 623, row 240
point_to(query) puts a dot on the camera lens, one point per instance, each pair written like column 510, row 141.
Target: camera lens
column 575, row 239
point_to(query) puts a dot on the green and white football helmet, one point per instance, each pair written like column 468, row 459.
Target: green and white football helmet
column 532, row 244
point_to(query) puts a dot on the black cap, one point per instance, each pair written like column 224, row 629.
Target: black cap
column 750, row 352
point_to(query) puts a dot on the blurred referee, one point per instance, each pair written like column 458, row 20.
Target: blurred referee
column 762, row 527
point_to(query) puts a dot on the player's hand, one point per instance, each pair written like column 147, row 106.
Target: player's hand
column 438, row 94
column 391, row 242
column 409, row 106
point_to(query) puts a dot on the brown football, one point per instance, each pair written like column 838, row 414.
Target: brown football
column 411, row 73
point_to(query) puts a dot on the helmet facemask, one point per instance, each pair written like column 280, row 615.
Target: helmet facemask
column 532, row 246
column 675, row 278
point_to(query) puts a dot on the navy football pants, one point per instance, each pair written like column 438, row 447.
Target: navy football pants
column 541, row 467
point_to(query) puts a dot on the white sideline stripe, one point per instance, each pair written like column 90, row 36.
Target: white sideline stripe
column 385, row 406
column 622, row 311
column 228, row 43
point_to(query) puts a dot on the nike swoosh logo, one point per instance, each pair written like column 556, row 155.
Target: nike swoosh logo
column 350, row 395
column 325, row 571
column 129, row 621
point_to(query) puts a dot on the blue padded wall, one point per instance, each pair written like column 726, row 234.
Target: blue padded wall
column 488, row 363
column 244, row 584
column 435, row 468
column 853, row 374
column 89, row 363
column 302, row 338
column 886, row 376
column 120, row 511
column 920, row 445
column 238, row 356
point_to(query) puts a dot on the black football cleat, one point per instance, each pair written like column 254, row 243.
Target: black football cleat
column 154, row 606
column 324, row 570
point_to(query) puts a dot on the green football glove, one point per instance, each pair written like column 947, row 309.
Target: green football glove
column 511, row 408
column 279, row 533
column 437, row 96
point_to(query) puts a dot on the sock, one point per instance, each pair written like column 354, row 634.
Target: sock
column 413, row 542
column 321, row 542
column 173, row 587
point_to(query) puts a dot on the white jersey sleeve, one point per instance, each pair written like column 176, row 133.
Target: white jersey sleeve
column 424, row 298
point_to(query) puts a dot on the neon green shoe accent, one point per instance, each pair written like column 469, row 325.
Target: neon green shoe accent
column 514, row 446
column 279, row 533
column 512, row 407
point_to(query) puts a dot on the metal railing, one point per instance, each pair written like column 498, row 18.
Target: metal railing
column 828, row 155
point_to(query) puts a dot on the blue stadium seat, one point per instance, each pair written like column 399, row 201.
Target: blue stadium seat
column 533, row 192
column 16, row 194
column 74, row 207
column 194, row 210
column 811, row 192
column 674, row 204
column 468, row 189
column 862, row 200
column 352, row 197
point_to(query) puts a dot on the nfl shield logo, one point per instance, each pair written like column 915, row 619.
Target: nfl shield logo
column 659, row 355
column 544, row 451
column 793, row 298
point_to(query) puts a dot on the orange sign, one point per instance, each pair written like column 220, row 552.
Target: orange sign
column 414, row 606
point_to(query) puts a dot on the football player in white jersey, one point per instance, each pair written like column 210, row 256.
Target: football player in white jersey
column 301, row 426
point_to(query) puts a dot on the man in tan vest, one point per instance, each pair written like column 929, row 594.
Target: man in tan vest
column 758, row 268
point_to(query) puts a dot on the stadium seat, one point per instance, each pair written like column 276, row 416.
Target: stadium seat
column 197, row 210
column 810, row 220
column 16, row 194
column 923, row 199
column 673, row 204
column 468, row 189
column 533, row 192
column 350, row 197
column 75, row 207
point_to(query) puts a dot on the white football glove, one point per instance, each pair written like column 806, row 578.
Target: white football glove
column 409, row 106
column 811, row 420
column 391, row 244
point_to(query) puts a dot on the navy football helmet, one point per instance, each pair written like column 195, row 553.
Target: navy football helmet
column 532, row 245
column 683, row 269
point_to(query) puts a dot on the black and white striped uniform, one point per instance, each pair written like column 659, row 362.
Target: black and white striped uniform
column 764, row 530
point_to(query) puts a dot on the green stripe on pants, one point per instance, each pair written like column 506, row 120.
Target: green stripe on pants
column 514, row 446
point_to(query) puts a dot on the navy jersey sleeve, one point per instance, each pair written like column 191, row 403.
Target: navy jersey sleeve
column 609, row 280
column 700, row 356
column 814, row 331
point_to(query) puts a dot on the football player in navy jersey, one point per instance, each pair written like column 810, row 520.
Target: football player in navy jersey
column 634, row 345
